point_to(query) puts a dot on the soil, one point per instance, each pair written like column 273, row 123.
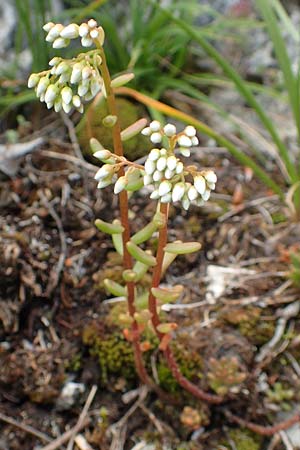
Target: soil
column 240, row 339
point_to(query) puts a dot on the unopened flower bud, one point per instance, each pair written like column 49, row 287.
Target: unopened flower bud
column 178, row 191
column 184, row 141
column 66, row 95
column 83, row 29
column 200, row 185
column 155, row 125
column 120, row 184
column 94, row 33
column 42, row 86
column 47, row 27
column 54, row 32
column 164, row 188
column 70, row 32
column 60, row 43
column 190, row 131
column 161, row 163
column 149, row 167
column 185, row 152
column 169, row 130
column 76, row 73
column 146, row 131
column 92, row 23
column 33, row 80
column 154, row 154
column 76, row 101
column 179, row 168
column 192, row 193
column 51, row 93
column 86, row 41
column 66, row 107
column 156, row 138
column 104, row 172
column 171, row 162
column 210, row 176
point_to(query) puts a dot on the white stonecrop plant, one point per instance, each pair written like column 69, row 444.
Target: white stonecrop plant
column 69, row 83
column 162, row 170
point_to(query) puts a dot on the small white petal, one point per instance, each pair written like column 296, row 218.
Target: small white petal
column 61, row 68
column 156, row 138
column 60, row 43
column 54, row 32
column 58, row 105
column 155, row 195
column 147, row 180
column 50, row 105
column 47, row 27
column 76, row 73
column 70, row 32
column 192, row 193
column 86, row 72
column 64, row 78
column 195, row 141
column 186, row 203
column 33, row 80
column 190, row 131
column 86, row 41
column 102, row 154
column 42, row 86
column 169, row 130
column 66, row 95
column 185, row 152
column 149, row 167
column 178, row 191
column 84, row 30
column 169, row 174
column 94, row 34
column 54, row 61
column 200, row 185
column 155, row 125
column 92, row 23
column 104, row 172
column 146, row 131
column 211, row 186
column 105, row 182
column 66, row 107
column 184, row 141
column 154, row 154
column 163, row 152
column 76, row 101
column 171, row 162
column 161, row 163
column 179, row 168
column 164, row 188
column 157, row 175
column 210, row 176
column 83, row 89
column 51, row 94
column 120, row 184
column 206, row 195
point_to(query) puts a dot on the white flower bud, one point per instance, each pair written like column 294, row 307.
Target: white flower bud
column 94, row 33
column 60, row 43
column 54, row 61
column 164, row 188
column 86, row 72
column 76, row 73
column 58, row 105
column 155, row 195
column 184, row 141
column 171, row 162
column 163, row 152
column 200, row 185
column 157, row 176
column 185, row 152
column 84, row 30
column 70, row 32
column 155, row 125
column 83, row 89
column 206, row 195
column 156, row 138
column 66, row 107
column 210, row 176
column 147, row 180
column 190, row 131
column 54, row 32
column 154, row 154
column 33, row 80
column 66, row 95
column 49, row 105
column 51, row 93
column 146, row 131
column 211, row 186
column 76, row 101
column 64, row 78
column 149, row 167
column 169, row 174
column 179, row 168
column 161, row 163
column 166, row 198
column 42, row 86
column 104, row 172
column 42, row 97
column 195, row 141
column 169, row 130
column 120, row 184
column 104, row 182
column 186, row 203
column 61, row 68
column 47, row 27
column 178, row 191
column 95, row 86
column 92, row 23
column 192, row 193
column 86, row 41
column 102, row 154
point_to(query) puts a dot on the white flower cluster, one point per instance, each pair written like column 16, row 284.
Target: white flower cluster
column 167, row 173
column 60, row 35
column 107, row 174
column 67, row 84
column 185, row 139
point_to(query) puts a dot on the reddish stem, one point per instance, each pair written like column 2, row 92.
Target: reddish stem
column 123, row 200
column 265, row 431
column 157, row 273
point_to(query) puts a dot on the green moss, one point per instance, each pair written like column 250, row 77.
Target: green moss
column 75, row 363
column 243, row 440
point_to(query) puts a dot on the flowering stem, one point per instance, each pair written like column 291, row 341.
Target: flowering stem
column 123, row 200
column 152, row 304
